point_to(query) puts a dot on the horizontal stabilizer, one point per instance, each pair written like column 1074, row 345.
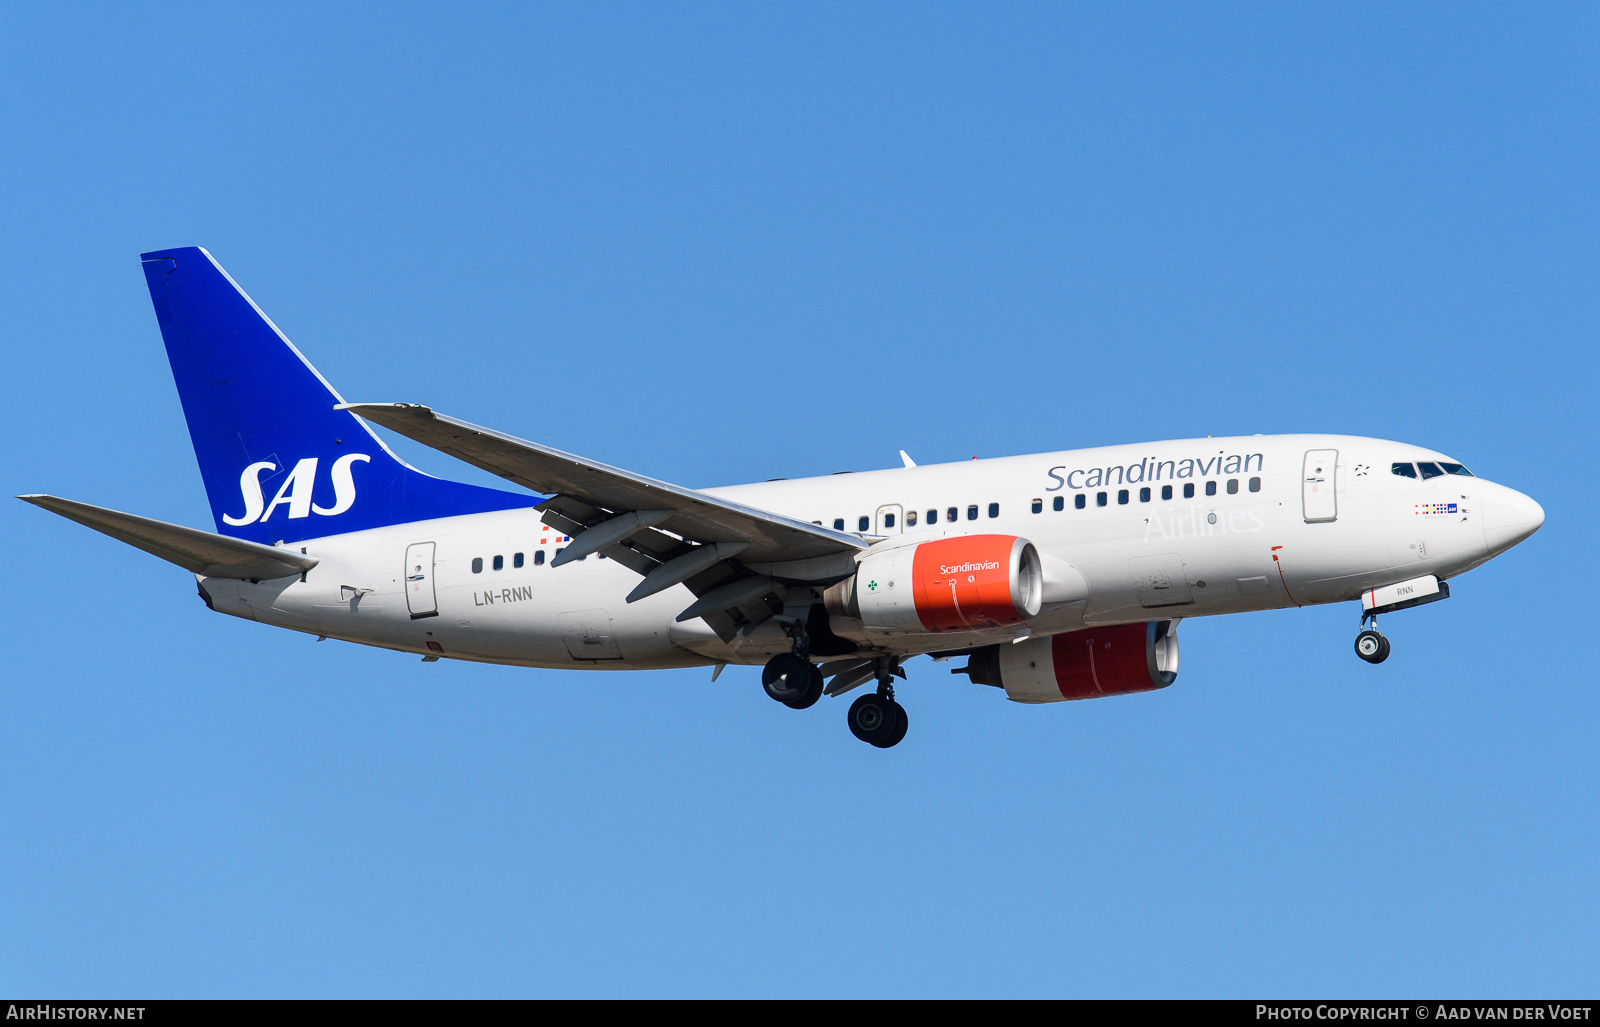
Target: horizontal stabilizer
column 215, row 556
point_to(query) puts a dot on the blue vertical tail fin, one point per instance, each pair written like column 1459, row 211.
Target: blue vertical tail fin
column 279, row 462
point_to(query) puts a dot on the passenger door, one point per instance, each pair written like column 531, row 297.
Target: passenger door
column 420, row 598
column 1317, row 485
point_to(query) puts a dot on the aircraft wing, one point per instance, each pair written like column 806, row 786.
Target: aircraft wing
column 202, row 552
column 694, row 515
column 628, row 517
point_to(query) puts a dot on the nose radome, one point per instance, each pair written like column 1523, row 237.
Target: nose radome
column 1535, row 515
column 1509, row 518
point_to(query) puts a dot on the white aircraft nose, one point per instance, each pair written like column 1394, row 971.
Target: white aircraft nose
column 1509, row 518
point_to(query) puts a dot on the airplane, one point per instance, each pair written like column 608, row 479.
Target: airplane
column 1055, row 576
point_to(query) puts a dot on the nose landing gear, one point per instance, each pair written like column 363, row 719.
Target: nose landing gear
column 1370, row 644
column 1372, row 647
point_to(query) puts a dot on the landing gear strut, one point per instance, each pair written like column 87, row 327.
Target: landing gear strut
column 791, row 678
column 876, row 718
column 1370, row 644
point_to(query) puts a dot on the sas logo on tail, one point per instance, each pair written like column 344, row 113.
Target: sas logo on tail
column 295, row 493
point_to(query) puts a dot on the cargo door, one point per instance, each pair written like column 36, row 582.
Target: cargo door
column 420, row 598
column 1317, row 485
column 1159, row 580
column 588, row 635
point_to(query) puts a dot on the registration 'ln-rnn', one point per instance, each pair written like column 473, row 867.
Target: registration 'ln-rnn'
column 1054, row 576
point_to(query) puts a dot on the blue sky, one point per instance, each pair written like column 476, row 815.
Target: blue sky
column 725, row 243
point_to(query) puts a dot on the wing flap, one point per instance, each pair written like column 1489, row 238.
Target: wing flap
column 201, row 552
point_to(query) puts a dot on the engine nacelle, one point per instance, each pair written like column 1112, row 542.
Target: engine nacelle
column 1081, row 664
column 967, row 583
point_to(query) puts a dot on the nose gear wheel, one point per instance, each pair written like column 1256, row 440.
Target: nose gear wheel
column 1372, row 647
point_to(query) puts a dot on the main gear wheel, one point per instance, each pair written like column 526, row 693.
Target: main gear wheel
column 878, row 720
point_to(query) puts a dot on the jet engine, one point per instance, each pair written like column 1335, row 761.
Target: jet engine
column 967, row 583
column 1080, row 664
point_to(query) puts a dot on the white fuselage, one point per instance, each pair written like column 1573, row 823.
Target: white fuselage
column 1227, row 552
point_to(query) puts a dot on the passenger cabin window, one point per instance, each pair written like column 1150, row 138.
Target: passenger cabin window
column 888, row 520
column 911, row 518
column 1211, row 488
column 1403, row 470
column 1166, row 492
column 477, row 565
column 863, row 523
column 1188, row 491
column 838, row 524
column 1429, row 470
column 1099, row 499
column 1233, row 486
column 516, row 559
column 1038, row 506
column 499, row 563
column 1144, row 494
column 994, row 509
column 1080, row 501
column 972, row 512
column 951, row 515
column 1255, row 484
column 1455, row 469
column 1060, row 503
column 933, row 518
column 1122, row 497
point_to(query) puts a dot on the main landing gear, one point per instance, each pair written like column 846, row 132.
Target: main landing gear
column 792, row 680
column 791, row 677
column 1370, row 644
column 875, row 718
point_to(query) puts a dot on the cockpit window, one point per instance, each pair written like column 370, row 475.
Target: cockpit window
column 1403, row 470
column 1429, row 470
column 1455, row 469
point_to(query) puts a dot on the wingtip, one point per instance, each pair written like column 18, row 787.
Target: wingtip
column 396, row 406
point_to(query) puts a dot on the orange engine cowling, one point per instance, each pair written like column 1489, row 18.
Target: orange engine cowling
column 1081, row 664
column 968, row 583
